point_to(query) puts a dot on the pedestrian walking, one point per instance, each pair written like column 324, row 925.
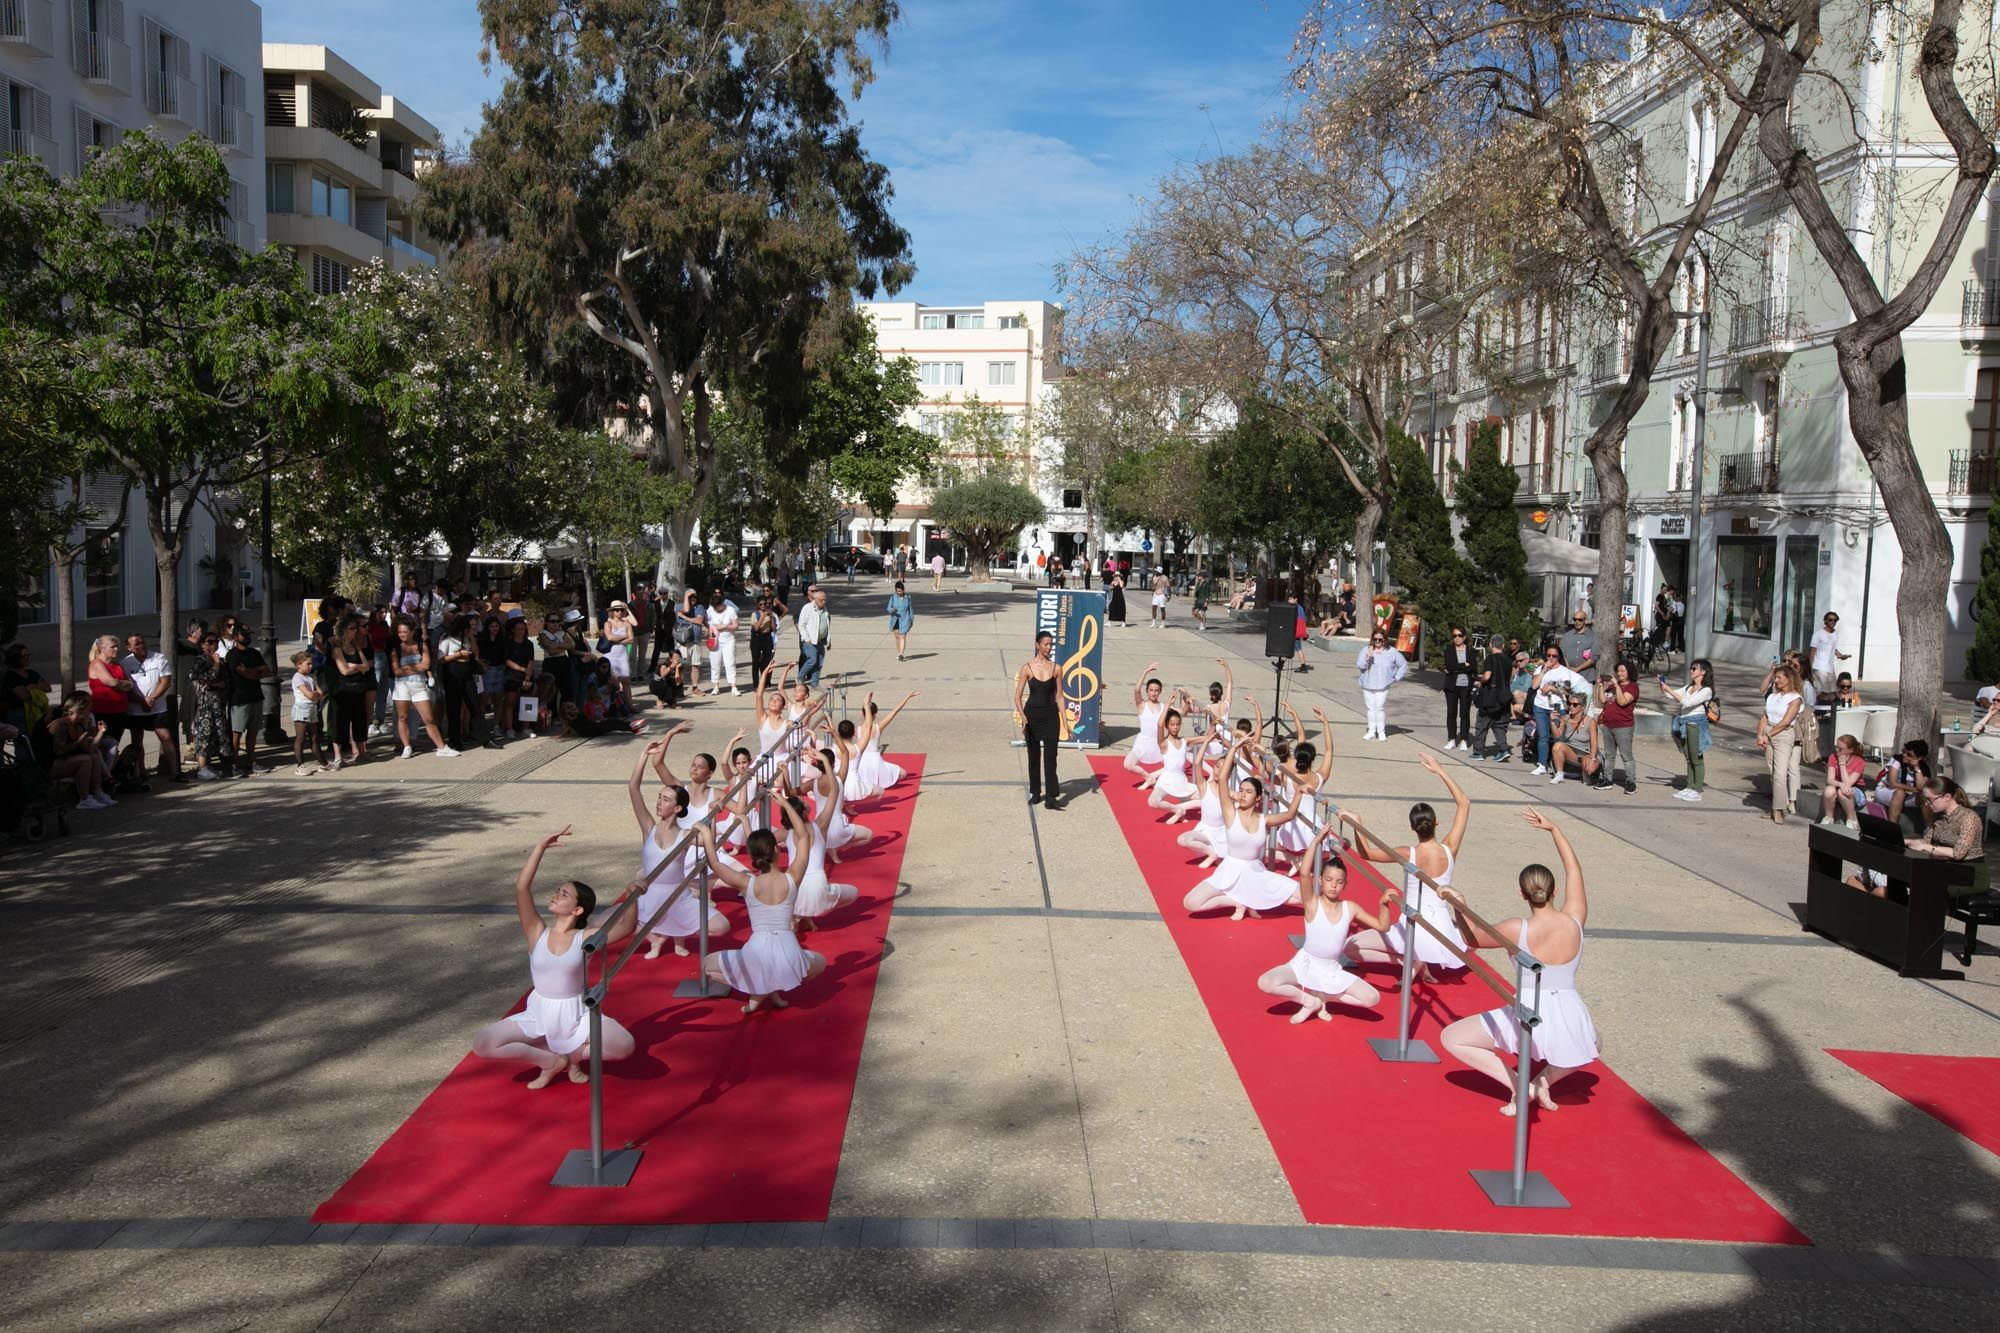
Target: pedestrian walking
column 815, row 624
column 1495, row 699
column 937, row 571
column 1826, row 655
column 902, row 614
column 1159, row 617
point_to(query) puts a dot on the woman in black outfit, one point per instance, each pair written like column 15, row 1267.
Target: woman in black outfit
column 763, row 637
column 1458, row 672
column 1038, row 713
column 1114, row 604
column 353, row 679
column 457, row 665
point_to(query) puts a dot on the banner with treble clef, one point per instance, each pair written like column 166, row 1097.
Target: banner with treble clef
column 1076, row 618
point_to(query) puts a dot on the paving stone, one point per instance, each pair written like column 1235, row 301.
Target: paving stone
column 410, row 1233
column 333, row 1233
column 370, row 1233
column 606, row 1236
column 1110, row 1233
column 570, row 1237
column 842, row 1232
column 956, row 1233
column 719, row 1234
column 917, row 1233
column 453, row 1233
column 294, row 1231
column 996, row 1233
column 153, row 1233
column 1148, row 1235
column 880, row 1232
column 801, row 1235
column 1072, row 1233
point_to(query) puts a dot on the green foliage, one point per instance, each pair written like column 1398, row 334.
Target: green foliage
column 612, row 497
column 1423, row 557
column 1982, row 661
column 985, row 515
column 1271, row 483
column 1157, row 487
column 992, row 441
column 1491, row 528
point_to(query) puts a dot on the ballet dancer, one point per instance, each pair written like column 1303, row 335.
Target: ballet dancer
column 1434, row 856
column 1146, row 693
column 1168, row 787
column 660, row 832
column 1314, row 976
column 851, row 741
column 1242, row 879
column 1220, row 692
column 552, row 1031
column 878, row 772
column 770, row 961
column 1310, row 771
column 1551, row 934
column 1209, row 837
column 828, row 787
column 769, row 706
column 817, row 894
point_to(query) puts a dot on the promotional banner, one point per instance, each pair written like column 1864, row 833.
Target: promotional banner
column 1076, row 618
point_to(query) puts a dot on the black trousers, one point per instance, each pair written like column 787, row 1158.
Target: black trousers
column 1458, row 713
column 457, row 700
column 1494, row 723
column 1041, row 733
column 663, row 646
column 763, row 647
column 348, row 711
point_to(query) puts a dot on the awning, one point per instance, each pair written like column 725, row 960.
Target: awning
column 1554, row 555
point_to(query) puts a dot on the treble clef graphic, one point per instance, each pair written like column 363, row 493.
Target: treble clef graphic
column 1080, row 683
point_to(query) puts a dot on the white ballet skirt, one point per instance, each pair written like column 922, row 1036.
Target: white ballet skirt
column 691, row 859
column 856, row 786
column 876, row 771
column 1292, row 834
column 771, row 959
column 1174, row 782
column 840, row 830
column 1565, row 1038
column 555, row 1010
column 684, row 917
column 1211, row 826
column 1317, row 963
column 816, row 893
column 1435, row 910
column 1146, row 745
column 1218, row 732
column 1243, row 878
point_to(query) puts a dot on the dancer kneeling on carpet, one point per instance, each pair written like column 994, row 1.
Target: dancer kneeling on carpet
column 1168, row 787
column 1243, row 879
column 660, row 832
column 1435, row 857
column 1146, row 698
column 876, row 771
column 1315, row 976
column 553, row 1031
column 1552, row 935
column 1310, row 771
column 770, row 961
column 817, row 894
column 828, row 790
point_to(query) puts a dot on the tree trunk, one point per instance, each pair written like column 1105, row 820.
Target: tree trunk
column 978, row 564
column 1878, row 413
column 625, row 560
column 589, row 594
column 1607, row 600
column 160, row 526
column 676, row 534
column 62, row 594
column 1365, row 527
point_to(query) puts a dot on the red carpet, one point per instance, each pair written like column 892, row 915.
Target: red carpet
column 1961, row 1090
column 1365, row 1143
column 741, row 1119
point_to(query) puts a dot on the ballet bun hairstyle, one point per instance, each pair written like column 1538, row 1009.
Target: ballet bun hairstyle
column 680, row 799
column 1538, row 884
column 708, row 759
column 1423, row 820
column 845, row 729
column 740, row 752
column 827, row 754
column 1215, row 691
column 799, row 807
column 586, row 902
column 1281, row 751
column 762, row 844
column 1171, row 716
column 1303, row 755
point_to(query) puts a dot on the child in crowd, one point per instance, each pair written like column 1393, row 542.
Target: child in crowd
column 306, row 699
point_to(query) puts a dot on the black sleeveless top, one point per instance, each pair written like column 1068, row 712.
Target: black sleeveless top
column 1041, row 697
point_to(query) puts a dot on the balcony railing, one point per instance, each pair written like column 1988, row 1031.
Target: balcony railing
column 229, row 127
column 1755, row 324
column 1971, row 474
column 29, row 144
column 1746, row 474
column 1605, row 363
column 30, row 24
column 172, row 97
column 1536, row 478
column 401, row 246
column 1982, row 306
column 107, row 60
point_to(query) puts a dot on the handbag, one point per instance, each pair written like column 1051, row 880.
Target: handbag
column 710, row 644
column 1806, row 724
column 603, row 644
column 530, row 709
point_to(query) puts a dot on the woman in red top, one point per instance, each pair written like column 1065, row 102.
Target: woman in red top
column 1844, row 768
column 1616, row 697
column 111, row 690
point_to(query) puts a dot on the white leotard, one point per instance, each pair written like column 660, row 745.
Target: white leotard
column 1146, row 745
column 1435, row 910
column 1174, row 781
column 554, row 1010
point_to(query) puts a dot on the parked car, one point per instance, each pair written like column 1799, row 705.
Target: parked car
column 833, row 559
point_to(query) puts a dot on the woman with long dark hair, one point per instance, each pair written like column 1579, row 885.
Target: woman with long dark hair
column 353, row 684
column 411, row 661
column 1690, row 725
column 1459, row 668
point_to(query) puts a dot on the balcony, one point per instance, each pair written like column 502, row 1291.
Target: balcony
column 173, row 97
column 1753, row 473
column 26, row 143
column 1607, row 363
column 28, row 25
column 1971, row 474
column 1981, row 307
column 229, row 129
column 105, row 60
column 303, row 231
column 302, row 143
column 1764, row 325
column 403, row 255
column 1536, row 478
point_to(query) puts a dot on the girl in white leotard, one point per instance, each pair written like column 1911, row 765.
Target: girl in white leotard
column 817, row 894
column 770, row 961
column 876, row 771
column 851, row 740
column 769, row 705
column 660, row 832
column 552, row 1031
column 1219, row 694
column 1308, row 772
column 1146, row 698
column 1435, row 856
column 825, row 788
column 1552, row 934
column 1242, row 880
column 1169, row 787
column 1314, row 975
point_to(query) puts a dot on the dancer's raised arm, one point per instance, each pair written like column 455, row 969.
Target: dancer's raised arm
column 1291, row 812
column 803, row 834
column 666, row 774
column 1228, row 682
column 865, row 732
column 1325, row 765
column 1139, row 685
column 1368, row 844
column 1461, row 802
column 722, row 870
column 883, row 725
column 532, row 924
column 641, row 810
column 625, row 913
column 1574, row 904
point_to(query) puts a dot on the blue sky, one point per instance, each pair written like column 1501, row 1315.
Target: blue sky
column 1014, row 130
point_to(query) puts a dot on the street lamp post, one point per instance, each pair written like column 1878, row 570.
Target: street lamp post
column 274, row 729
column 1695, row 584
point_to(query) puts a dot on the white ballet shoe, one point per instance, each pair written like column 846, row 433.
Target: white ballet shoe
column 1306, row 1011
column 546, row 1077
column 579, row 1073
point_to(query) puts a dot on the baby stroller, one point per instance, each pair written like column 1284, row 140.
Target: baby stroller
column 29, row 800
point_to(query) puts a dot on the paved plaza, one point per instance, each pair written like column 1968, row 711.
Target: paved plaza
column 223, row 1000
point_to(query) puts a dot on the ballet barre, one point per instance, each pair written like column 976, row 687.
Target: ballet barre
column 593, row 1167
column 1515, row 1187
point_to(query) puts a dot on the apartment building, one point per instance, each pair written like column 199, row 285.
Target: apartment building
column 1007, row 355
column 77, row 75
column 1792, row 525
column 341, row 166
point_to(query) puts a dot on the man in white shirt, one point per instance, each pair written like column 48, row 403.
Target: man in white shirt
column 153, row 674
column 1553, row 680
column 1826, row 655
column 937, row 570
column 815, row 636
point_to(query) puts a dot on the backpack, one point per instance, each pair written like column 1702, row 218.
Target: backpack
column 1806, row 724
column 1714, row 712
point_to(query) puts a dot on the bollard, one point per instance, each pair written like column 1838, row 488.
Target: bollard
column 593, row 1168
column 1399, row 1049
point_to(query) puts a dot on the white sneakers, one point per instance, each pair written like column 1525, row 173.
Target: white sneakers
column 1540, row 770
column 1554, row 780
column 97, row 802
column 446, row 752
column 1687, row 794
column 407, row 752
column 206, row 774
